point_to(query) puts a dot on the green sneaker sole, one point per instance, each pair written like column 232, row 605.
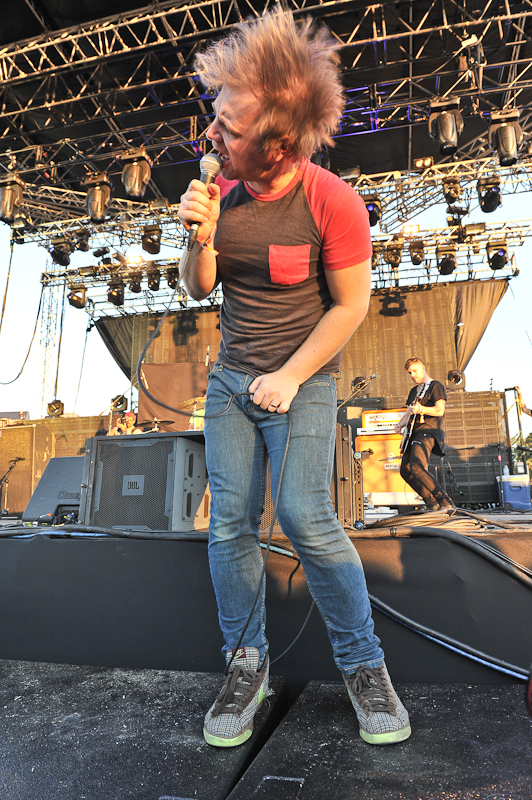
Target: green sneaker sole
column 391, row 737
column 220, row 741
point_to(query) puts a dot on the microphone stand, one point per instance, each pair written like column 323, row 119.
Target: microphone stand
column 4, row 481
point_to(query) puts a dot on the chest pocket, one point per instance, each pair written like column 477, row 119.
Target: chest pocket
column 289, row 265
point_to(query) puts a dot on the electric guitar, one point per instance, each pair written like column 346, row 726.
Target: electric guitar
column 409, row 427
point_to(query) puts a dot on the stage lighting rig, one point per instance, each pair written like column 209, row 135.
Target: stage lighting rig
column 98, row 188
column 376, row 254
column 11, row 188
column 446, row 124
column 374, row 208
column 60, row 249
column 172, row 277
column 56, row 408
column 77, row 296
column 451, row 190
column 82, row 240
column 101, row 251
column 137, row 171
column 423, row 163
column 115, row 292
column 151, row 239
column 505, row 135
column 154, row 277
column 417, row 252
column 135, row 282
column 393, row 253
column 446, row 258
column 497, row 254
column 489, row 194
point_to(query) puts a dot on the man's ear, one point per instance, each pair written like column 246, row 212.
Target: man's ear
column 283, row 150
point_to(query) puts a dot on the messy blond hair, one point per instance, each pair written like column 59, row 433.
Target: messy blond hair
column 293, row 67
column 413, row 360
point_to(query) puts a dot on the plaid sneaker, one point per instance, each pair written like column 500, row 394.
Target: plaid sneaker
column 229, row 721
column 382, row 717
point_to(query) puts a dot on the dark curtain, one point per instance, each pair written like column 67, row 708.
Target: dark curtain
column 117, row 333
column 174, row 384
column 474, row 303
column 441, row 324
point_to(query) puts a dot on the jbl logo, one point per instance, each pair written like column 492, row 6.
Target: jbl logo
column 133, row 484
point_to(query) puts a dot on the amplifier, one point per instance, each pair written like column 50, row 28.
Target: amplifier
column 151, row 482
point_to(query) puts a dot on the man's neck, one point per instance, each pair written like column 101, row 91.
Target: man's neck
column 276, row 180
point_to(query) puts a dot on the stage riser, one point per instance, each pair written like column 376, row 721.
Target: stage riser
column 150, row 604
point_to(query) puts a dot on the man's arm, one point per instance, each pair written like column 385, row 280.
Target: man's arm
column 201, row 204
column 350, row 289
column 437, row 410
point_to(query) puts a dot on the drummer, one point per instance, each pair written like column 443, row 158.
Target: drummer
column 127, row 425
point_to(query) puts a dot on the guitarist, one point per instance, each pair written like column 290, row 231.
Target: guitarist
column 423, row 420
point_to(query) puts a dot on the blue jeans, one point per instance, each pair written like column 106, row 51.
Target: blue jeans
column 237, row 447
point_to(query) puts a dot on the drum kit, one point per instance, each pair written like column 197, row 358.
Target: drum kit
column 189, row 407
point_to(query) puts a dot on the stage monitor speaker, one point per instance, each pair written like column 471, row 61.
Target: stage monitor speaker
column 151, row 482
column 58, row 492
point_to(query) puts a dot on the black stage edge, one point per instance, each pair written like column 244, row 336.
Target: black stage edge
column 150, row 605
column 467, row 743
column 82, row 733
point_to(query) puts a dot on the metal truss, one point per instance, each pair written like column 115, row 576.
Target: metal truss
column 405, row 194
column 469, row 243
column 73, row 100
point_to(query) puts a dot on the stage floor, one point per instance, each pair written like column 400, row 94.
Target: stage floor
column 85, row 733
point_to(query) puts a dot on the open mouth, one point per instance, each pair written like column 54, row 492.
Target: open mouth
column 224, row 159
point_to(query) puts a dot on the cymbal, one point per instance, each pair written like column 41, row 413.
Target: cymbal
column 157, row 422
column 194, row 401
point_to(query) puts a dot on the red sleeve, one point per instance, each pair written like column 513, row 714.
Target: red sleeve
column 341, row 217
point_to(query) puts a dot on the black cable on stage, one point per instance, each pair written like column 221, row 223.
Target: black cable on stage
column 6, row 383
column 60, row 338
column 89, row 328
column 450, row 643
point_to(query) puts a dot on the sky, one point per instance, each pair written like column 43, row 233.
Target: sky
column 501, row 360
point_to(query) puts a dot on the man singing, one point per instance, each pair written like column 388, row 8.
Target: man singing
column 290, row 244
column 425, row 412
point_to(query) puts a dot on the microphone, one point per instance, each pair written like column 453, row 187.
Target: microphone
column 210, row 166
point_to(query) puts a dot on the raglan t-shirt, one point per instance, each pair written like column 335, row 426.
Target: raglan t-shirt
column 273, row 251
column 436, row 425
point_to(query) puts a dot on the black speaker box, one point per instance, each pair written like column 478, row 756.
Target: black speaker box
column 58, row 491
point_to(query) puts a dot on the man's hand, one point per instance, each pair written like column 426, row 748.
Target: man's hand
column 274, row 391
column 201, row 204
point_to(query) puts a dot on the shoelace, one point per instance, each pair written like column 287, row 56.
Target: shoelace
column 239, row 688
column 372, row 691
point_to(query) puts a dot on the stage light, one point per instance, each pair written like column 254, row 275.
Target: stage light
column 446, row 258
column 489, row 194
column 102, row 251
column 451, row 190
column 410, row 230
column 393, row 254
column 77, row 296
column 423, row 163
column 446, row 124
column 172, row 277
column 135, row 281
column 505, row 135
column 154, row 277
column 137, row 171
column 119, row 403
column 82, row 240
column 151, row 239
column 115, row 292
column 455, row 377
column 60, row 250
column 497, row 254
column 98, row 188
column 374, row 207
column 417, row 252
column 10, row 197
column 56, row 408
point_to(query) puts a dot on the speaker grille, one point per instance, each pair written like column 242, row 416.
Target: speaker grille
column 120, row 464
